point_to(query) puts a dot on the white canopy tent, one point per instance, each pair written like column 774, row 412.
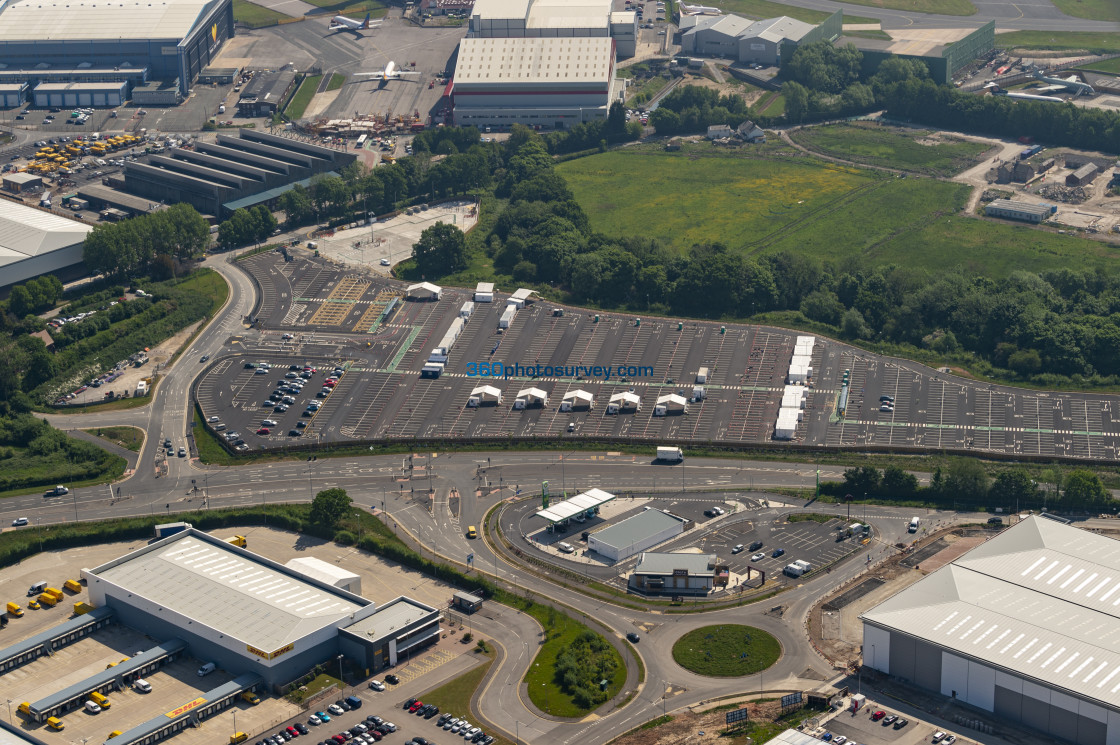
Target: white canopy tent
column 575, row 398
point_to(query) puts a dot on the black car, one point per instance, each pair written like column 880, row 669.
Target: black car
column 442, row 718
column 420, row 741
column 756, row 545
column 341, row 703
column 392, row 679
column 778, row 552
column 633, row 638
column 294, row 433
column 995, row 521
column 301, row 728
column 374, row 719
column 408, row 704
column 432, row 711
column 204, row 358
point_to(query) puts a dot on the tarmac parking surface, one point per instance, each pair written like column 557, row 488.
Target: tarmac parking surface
column 362, row 319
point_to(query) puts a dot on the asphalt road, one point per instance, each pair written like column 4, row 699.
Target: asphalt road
column 482, row 479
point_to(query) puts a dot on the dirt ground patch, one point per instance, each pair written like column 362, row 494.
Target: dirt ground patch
column 700, row 728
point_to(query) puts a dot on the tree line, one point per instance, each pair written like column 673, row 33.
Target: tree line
column 965, row 484
column 148, row 244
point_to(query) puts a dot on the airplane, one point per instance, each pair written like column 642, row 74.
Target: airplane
column 342, row 23
column 1072, row 83
column 390, row 73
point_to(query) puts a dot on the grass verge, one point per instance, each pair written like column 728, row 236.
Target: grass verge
column 1097, row 42
column 759, row 9
column 256, row 16
column 648, row 89
column 337, row 81
column 726, row 650
column 454, row 696
column 1094, row 10
column 302, row 96
column 375, row 8
column 320, row 682
column 1108, row 65
column 907, row 149
column 815, row 517
column 127, row 437
column 941, row 7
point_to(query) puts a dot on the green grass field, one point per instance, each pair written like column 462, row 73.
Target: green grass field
column 1094, row 10
column 1101, row 43
column 726, row 650
column 942, row 7
column 646, row 90
column 544, row 691
column 351, row 8
column 337, row 81
column 733, row 200
column 127, row 437
column 1108, row 65
column 772, row 105
column 865, row 142
column 256, row 16
column 759, row 9
column 302, row 96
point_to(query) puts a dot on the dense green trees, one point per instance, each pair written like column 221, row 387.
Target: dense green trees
column 690, row 108
column 580, row 667
column 440, row 250
column 246, row 226
column 965, row 484
column 131, row 247
column 329, row 507
column 34, row 295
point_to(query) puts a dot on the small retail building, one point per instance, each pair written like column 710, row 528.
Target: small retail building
column 674, row 574
column 636, row 534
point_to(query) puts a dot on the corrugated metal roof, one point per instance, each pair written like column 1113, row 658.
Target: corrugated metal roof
column 391, row 618
column 697, row 565
column 156, row 724
column 33, row 232
column 1024, row 207
column 778, row 29
column 496, row 9
column 239, row 594
column 1041, row 599
column 633, row 529
column 34, row 20
column 534, row 60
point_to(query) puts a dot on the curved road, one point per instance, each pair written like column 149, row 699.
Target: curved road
column 482, row 480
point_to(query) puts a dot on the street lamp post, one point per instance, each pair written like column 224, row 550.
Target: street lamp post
column 341, row 682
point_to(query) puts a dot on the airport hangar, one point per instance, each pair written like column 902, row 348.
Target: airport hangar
column 1025, row 626
column 497, row 19
column 124, row 41
column 34, row 242
column 250, row 615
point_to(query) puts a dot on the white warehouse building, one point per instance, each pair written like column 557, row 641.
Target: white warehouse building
column 35, row 242
column 492, row 19
column 1023, row 626
column 538, row 82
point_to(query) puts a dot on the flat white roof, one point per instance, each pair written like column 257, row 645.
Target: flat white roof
column 523, row 294
column 533, row 392
column 486, row 390
column 484, row 287
column 35, row 20
column 228, row 589
column 26, row 231
column 499, row 9
column 1041, row 600
column 426, row 286
column 321, row 570
column 534, row 60
column 626, row 396
column 672, row 398
column 582, row 395
column 569, row 508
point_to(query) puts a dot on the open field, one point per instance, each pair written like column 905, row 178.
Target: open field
column 711, row 198
column 943, row 7
column 256, row 16
column 375, row 8
column 873, row 144
column 772, row 104
column 302, row 96
column 127, row 437
column 1100, row 43
column 542, row 681
column 1095, row 10
column 643, row 92
column 337, row 81
column 765, row 9
column 726, row 650
column 1108, row 65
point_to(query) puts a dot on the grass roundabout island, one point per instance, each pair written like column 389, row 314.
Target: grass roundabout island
column 726, row 650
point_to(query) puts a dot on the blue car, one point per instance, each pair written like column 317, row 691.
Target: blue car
column 778, row 552
column 323, row 716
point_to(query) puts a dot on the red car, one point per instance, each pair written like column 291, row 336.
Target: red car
column 263, row 431
column 415, row 706
column 339, row 739
column 293, row 732
column 878, row 715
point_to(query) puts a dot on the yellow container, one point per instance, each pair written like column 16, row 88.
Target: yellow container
column 80, row 608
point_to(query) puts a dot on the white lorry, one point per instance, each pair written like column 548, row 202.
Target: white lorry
column 670, row 454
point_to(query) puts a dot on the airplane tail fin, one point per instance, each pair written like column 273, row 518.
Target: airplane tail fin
column 365, row 23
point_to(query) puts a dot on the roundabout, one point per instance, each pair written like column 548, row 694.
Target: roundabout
column 726, row 650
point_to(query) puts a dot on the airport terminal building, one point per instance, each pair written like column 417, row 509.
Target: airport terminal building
column 1024, row 626
column 62, row 42
column 251, row 615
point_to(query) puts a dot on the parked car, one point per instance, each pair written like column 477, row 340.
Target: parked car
column 777, row 552
column 878, row 715
column 336, row 710
column 323, row 716
column 901, row 723
column 758, row 557
column 392, row 679
column 633, row 637
column 738, row 548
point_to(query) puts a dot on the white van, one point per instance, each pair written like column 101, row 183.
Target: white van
column 142, row 685
column 206, row 669
column 566, row 548
column 914, row 524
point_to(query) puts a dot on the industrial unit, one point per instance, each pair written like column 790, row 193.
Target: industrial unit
column 635, row 534
column 173, row 39
column 740, row 39
column 231, row 172
column 675, row 574
column 35, row 241
column 492, row 19
column 1023, row 626
column 538, row 82
column 266, row 93
column 247, row 613
column 1014, row 210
